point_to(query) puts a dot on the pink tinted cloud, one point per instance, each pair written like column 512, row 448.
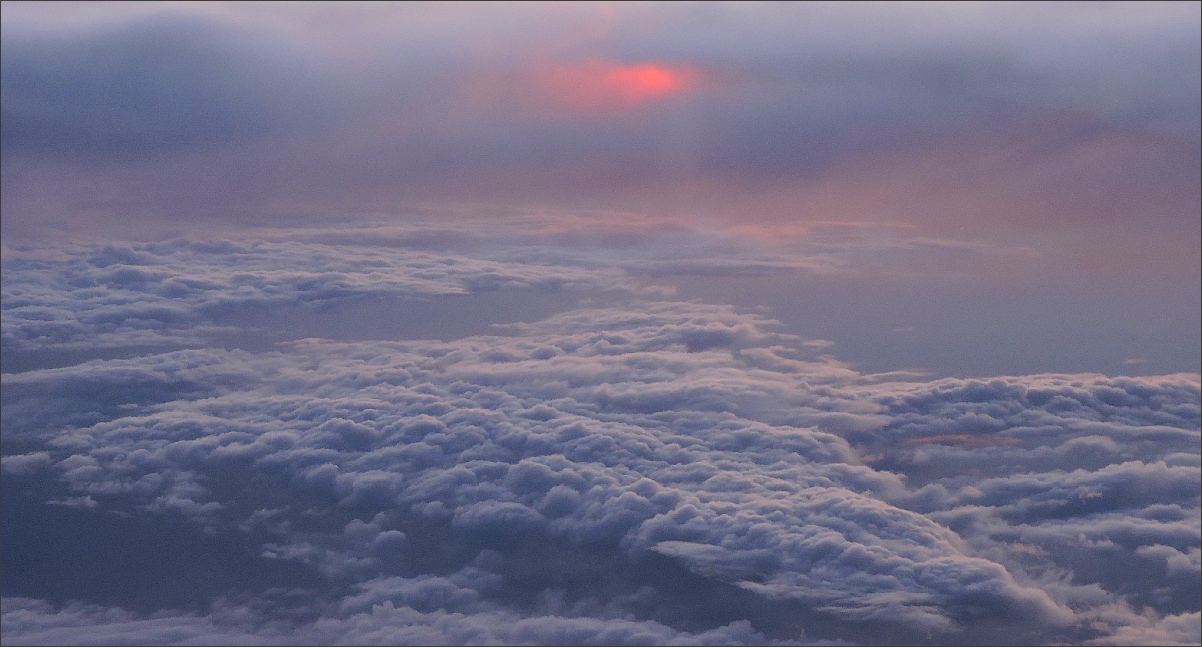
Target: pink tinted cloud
column 1052, row 174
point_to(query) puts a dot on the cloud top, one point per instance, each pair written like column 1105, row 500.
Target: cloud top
column 443, row 489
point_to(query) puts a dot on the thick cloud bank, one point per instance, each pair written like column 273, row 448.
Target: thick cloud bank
column 171, row 293
column 634, row 471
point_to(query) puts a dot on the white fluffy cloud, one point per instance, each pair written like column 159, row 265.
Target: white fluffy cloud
column 648, row 471
column 172, row 293
column 451, row 614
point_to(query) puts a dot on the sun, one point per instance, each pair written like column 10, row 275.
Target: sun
column 647, row 81
column 603, row 86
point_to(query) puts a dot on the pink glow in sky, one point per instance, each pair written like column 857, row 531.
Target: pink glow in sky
column 617, row 323
column 594, row 88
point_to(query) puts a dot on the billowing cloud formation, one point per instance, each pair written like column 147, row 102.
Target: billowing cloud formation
column 914, row 140
column 384, row 624
column 186, row 291
column 387, row 357
column 163, row 293
column 643, row 470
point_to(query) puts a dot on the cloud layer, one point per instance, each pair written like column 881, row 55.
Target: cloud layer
column 1030, row 117
column 643, row 471
column 169, row 293
column 404, row 323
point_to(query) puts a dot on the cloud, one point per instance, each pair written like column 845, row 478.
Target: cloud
column 437, row 619
column 597, row 441
column 391, row 361
column 180, row 291
column 223, row 113
column 160, row 85
column 116, row 298
column 1179, row 629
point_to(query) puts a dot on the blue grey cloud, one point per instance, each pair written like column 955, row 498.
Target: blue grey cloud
column 398, row 354
column 361, row 108
column 183, row 291
column 642, row 442
column 164, row 84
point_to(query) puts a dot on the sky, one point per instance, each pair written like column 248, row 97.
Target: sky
column 601, row 323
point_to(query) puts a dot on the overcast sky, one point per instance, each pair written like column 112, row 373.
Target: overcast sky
column 833, row 323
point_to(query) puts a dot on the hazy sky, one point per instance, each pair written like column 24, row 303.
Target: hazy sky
column 601, row 323
column 988, row 175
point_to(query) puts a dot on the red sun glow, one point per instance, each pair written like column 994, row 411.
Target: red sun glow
column 648, row 81
column 602, row 85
